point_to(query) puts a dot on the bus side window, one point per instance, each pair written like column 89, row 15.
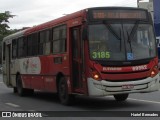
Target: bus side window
column 29, row 45
column 59, row 39
column 14, row 48
column 41, row 42
column 44, row 43
column 32, row 44
column 63, row 38
column 35, row 44
column 22, row 47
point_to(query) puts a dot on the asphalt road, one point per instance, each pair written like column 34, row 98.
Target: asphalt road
column 44, row 102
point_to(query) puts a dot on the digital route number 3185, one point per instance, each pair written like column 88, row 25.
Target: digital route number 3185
column 100, row 55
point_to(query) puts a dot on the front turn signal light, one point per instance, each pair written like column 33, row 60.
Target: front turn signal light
column 95, row 75
column 154, row 71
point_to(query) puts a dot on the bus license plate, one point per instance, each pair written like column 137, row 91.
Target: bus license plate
column 128, row 86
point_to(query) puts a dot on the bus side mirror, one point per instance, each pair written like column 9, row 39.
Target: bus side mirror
column 84, row 34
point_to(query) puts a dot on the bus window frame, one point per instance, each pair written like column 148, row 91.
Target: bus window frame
column 14, row 57
column 60, row 39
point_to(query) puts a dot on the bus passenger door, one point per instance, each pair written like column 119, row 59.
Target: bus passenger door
column 77, row 59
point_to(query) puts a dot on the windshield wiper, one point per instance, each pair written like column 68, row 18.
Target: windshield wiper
column 133, row 31
column 120, row 39
column 112, row 31
column 129, row 41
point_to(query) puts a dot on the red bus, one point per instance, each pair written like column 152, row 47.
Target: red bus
column 94, row 52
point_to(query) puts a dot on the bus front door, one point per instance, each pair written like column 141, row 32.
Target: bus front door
column 77, row 61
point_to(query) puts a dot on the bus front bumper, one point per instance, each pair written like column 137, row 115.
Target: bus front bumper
column 104, row 88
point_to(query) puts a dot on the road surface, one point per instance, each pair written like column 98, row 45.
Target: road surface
column 48, row 105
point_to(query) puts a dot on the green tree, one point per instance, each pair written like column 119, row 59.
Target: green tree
column 4, row 28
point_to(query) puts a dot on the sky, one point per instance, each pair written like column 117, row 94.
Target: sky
column 33, row 12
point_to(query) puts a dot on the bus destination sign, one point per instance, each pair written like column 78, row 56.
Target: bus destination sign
column 118, row 14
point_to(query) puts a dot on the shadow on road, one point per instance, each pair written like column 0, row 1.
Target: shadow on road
column 81, row 102
column 89, row 103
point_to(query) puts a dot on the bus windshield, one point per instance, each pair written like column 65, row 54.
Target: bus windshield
column 121, row 42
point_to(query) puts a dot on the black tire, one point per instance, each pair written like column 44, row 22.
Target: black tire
column 20, row 90
column 121, row 97
column 15, row 90
column 64, row 97
column 29, row 91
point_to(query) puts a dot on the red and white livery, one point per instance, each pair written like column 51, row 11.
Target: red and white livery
column 95, row 52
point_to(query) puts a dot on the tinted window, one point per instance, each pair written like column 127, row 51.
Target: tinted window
column 43, row 42
column 22, row 48
column 32, row 44
column 29, row 45
column 59, row 39
column 14, row 48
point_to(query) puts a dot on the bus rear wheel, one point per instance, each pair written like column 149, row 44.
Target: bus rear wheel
column 64, row 97
column 121, row 97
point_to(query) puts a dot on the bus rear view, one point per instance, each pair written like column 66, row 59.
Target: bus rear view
column 122, row 52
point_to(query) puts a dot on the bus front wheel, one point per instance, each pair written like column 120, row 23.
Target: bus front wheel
column 64, row 97
column 15, row 90
column 121, row 97
column 20, row 89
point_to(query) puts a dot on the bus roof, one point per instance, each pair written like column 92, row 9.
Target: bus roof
column 59, row 21
column 44, row 25
column 55, row 22
column 68, row 17
column 14, row 36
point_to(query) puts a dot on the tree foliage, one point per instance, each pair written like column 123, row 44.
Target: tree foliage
column 4, row 20
column 4, row 27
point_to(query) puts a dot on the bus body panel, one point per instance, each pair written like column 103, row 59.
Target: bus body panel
column 43, row 77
